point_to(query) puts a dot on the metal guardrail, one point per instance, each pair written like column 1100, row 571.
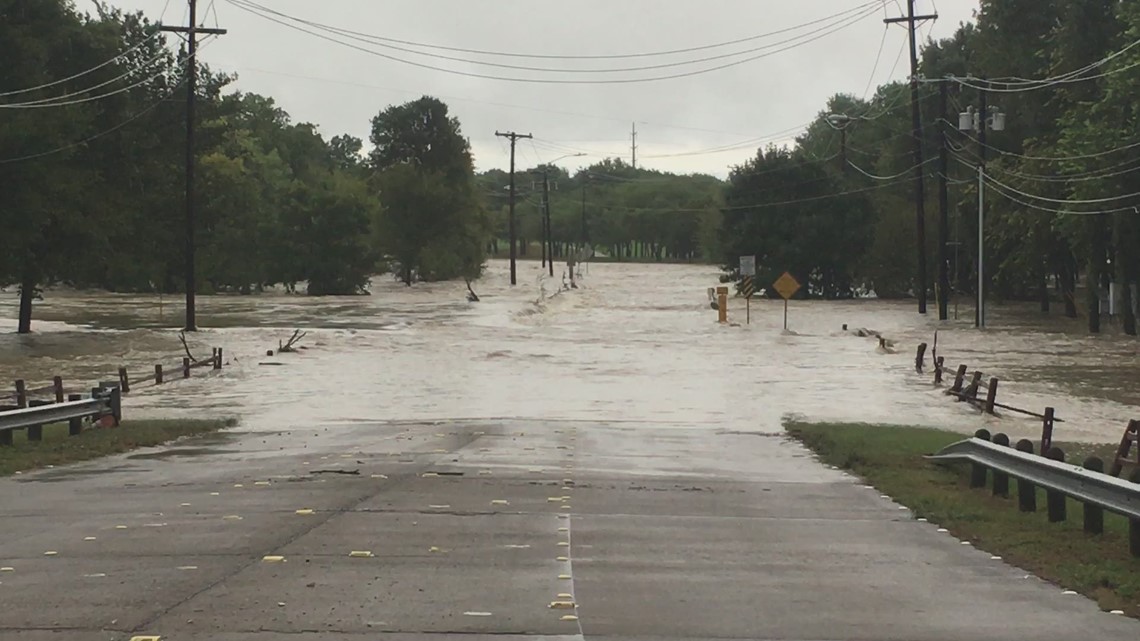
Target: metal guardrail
column 104, row 401
column 1088, row 487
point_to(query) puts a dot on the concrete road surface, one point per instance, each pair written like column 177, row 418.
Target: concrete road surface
column 468, row 530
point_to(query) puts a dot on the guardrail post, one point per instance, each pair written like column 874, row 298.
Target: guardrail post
column 1026, row 491
column 1001, row 479
column 21, row 394
column 1094, row 515
column 158, row 374
column 1055, row 500
column 920, row 358
column 124, row 381
column 185, row 367
column 978, row 472
column 6, row 435
column 1047, row 431
column 959, row 379
column 117, row 405
column 57, row 384
column 991, row 395
column 36, row 432
column 938, row 365
column 75, row 425
column 1133, row 524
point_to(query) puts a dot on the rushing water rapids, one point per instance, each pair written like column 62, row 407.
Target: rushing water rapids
column 636, row 343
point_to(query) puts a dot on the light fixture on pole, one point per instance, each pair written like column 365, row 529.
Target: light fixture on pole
column 980, row 121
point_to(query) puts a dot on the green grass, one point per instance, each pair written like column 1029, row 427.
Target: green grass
column 57, row 448
column 890, row 458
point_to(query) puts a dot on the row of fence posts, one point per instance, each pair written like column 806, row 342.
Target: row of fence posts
column 75, row 426
column 1056, row 502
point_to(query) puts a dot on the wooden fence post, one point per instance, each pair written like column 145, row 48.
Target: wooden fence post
column 1001, row 479
column 1026, row 491
column 971, row 391
column 1055, row 500
column 21, row 394
column 920, row 358
column 218, row 359
column 185, row 367
column 124, row 381
column 978, row 472
column 1094, row 515
column 938, row 364
column 1047, row 431
column 158, row 374
column 57, row 383
column 75, row 425
column 959, row 379
column 991, row 395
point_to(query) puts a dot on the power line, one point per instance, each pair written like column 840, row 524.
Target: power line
column 1063, row 201
column 893, row 177
column 1064, row 212
column 351, row 35
column 545, row 80
column 718, row 45
column 762, row 205
column 85, row 72
column 1099, row 154
column 57, row 99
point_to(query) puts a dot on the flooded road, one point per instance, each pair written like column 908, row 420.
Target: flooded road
column 636, row 344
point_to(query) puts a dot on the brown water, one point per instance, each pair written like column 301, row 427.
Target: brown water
column 636, row 343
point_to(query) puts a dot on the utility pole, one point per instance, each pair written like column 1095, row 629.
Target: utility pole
column 980, row 311
column 943, row 206
column 548, row 247
column 916, row 124
column 511, row 224
column 191, row 32
column 633, row 147
column 585, row 181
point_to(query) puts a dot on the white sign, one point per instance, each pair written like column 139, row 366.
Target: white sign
column 747, row 265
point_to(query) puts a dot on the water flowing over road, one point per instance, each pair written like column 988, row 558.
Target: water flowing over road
column 636, row 343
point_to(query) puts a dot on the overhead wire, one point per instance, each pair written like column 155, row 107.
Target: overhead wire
column 893, row 177
column 84, row 72
column 764, row 205
column 1064, row 212
column 240, row 4
column 706, row 47
column 55, row 99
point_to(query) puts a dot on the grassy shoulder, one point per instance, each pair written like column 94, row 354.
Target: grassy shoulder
column 58, row 448
column 890, row 458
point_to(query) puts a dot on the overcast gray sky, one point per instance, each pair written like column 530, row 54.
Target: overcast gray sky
column 339, row 88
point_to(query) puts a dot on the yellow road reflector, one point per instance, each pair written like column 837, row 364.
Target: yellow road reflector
column 565, row 577
column 563, row 544
column 50, row 553
column 428, row 475
column 120, row 527
column 562, row 605
column 379, row 476
column 500, row 502
column 565, row 595
column 304, row 512
column 569, row 617
column 231, row 517
column 272, row 558
column 361, row 554
column 261, row 483
column 88, row 538
column 187, row 567
column 562, row 558
column 152, row 637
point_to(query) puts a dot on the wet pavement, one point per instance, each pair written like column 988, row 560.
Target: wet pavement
column 606, row 462
column 455, row 530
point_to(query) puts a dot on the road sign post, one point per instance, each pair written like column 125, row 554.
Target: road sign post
column 786, row 286
column 747, row 285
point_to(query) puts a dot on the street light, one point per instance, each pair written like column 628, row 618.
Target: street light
column 981, row 121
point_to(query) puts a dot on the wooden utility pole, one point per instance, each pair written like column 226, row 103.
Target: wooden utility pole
column 548, row 247
column 916, row 124
column 633, row 147
column 511, row 223
column 191, row 31
column 943, row 205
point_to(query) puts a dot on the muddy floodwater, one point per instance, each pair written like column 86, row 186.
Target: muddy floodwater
column 636, row 343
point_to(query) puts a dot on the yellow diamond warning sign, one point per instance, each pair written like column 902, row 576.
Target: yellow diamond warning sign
column 786, row 286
